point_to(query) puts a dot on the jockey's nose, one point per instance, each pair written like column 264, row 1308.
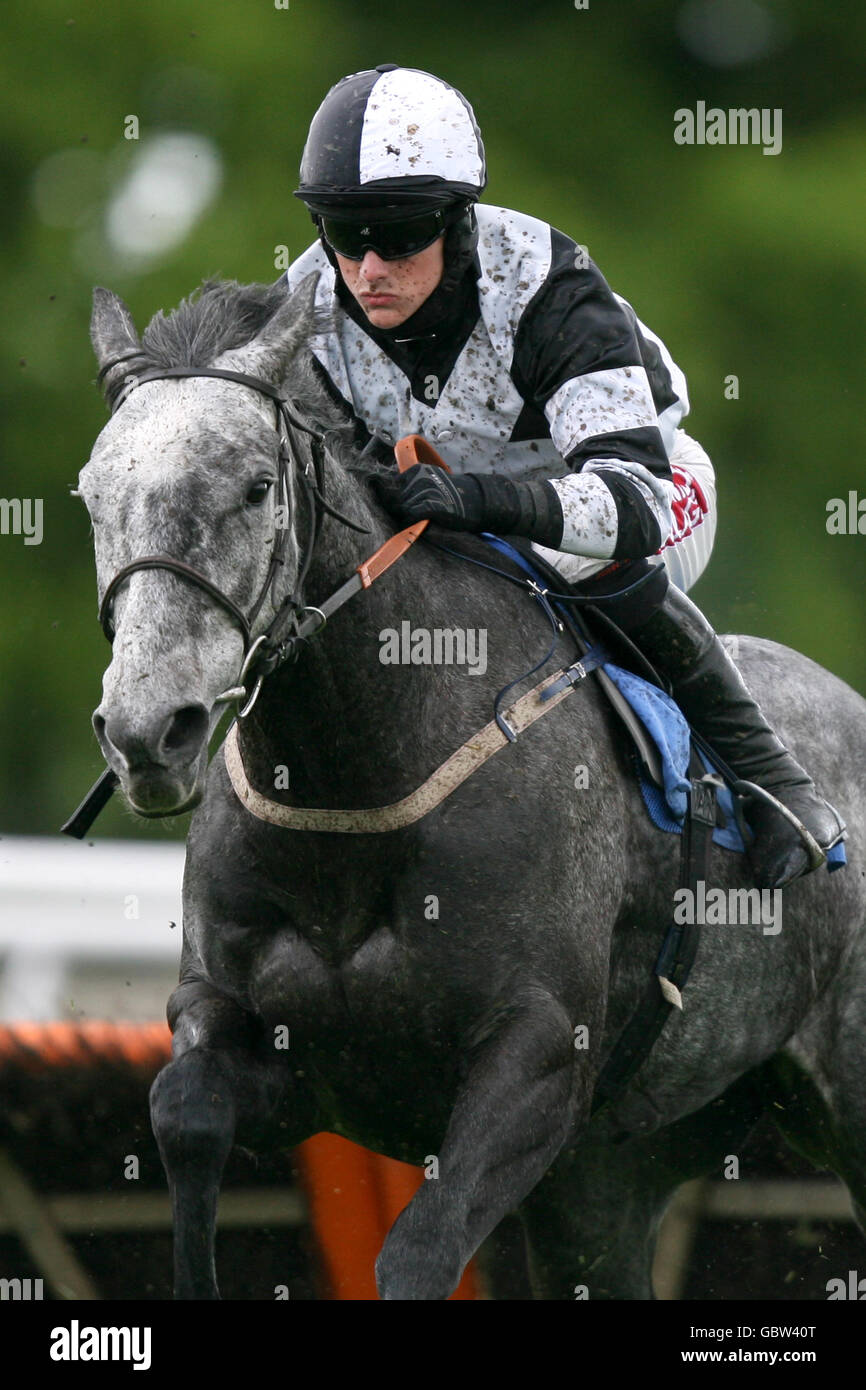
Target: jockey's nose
column 372, row 266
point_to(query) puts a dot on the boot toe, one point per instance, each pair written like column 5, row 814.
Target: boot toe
column 775, row 865
column 779, row 855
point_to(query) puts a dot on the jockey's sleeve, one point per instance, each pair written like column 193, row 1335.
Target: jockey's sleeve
column 613, row 398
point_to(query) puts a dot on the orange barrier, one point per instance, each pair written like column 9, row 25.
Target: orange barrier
column 354, row 1196
column 40, row 1046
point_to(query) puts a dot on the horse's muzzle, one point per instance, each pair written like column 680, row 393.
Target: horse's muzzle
column 160, row 759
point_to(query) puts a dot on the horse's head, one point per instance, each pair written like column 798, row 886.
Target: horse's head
column 188, row 469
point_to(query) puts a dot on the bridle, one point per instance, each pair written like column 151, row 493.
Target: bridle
column 289, row 625
column 294, row 621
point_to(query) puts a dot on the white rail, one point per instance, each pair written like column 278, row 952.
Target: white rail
column 64, row 902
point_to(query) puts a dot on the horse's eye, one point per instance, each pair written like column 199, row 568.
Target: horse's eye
column 259, row 491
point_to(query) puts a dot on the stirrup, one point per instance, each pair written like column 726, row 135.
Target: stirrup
column 817, row 853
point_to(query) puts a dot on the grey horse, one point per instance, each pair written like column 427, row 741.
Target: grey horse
column 450, row 988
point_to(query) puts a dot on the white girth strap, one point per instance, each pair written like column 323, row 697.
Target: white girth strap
column 454, row 771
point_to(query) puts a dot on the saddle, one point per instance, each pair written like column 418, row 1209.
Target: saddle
column 591, row 629
column 669, row 752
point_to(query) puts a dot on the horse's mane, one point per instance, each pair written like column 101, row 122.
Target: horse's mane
column 218, row 316
column 224, row 314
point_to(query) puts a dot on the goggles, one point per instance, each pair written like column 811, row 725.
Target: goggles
column 393, row 241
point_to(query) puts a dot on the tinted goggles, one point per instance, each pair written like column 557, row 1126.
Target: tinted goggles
column 393, row 241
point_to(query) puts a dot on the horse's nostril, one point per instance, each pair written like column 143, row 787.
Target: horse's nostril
column 156, row 738
column 187, row 728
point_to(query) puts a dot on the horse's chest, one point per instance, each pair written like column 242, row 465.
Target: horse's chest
column 332, row 993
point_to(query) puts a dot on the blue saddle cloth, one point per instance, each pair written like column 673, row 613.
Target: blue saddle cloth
column 667, row 726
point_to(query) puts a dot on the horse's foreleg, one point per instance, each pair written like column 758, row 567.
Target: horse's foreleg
column 216, row 1081
column 511, row 1118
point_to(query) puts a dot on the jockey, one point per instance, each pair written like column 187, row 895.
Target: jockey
column 496, row 337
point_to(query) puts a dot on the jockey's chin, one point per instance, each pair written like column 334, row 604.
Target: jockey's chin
column 390, row 292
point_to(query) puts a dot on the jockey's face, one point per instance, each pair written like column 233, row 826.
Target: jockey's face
column 389, row 292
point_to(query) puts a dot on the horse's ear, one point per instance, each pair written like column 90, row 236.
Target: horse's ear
column 270, row 353
column 112, row 333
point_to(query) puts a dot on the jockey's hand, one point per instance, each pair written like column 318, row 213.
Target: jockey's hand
column 472, row 502
column 427, row 493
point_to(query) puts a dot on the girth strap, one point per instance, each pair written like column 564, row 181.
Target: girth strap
column 663, row 993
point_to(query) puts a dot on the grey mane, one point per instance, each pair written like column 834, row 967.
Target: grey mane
column 218, row 316
column 223, row 314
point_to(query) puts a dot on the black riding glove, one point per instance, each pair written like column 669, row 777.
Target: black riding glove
column 473, row 502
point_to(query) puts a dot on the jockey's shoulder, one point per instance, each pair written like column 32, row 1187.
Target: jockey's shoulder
column 527, row 238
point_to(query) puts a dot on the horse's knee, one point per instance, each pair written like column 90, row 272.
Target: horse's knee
column 193, row 1108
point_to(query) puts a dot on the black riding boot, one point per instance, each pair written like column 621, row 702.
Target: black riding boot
column 712, row 694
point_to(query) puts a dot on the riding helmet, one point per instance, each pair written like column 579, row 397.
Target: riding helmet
column 391, row 142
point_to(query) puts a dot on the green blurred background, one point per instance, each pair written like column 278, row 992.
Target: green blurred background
column 745, row 264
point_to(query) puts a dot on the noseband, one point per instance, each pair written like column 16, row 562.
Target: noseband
column 271, row 647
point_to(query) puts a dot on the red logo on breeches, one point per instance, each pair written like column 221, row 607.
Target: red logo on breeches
column 689, row 506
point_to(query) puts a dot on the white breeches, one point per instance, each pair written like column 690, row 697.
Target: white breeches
column 688, row 550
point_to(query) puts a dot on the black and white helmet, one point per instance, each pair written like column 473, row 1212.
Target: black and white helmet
column 391, row 141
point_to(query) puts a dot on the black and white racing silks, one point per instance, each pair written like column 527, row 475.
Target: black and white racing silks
column 558, row 379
